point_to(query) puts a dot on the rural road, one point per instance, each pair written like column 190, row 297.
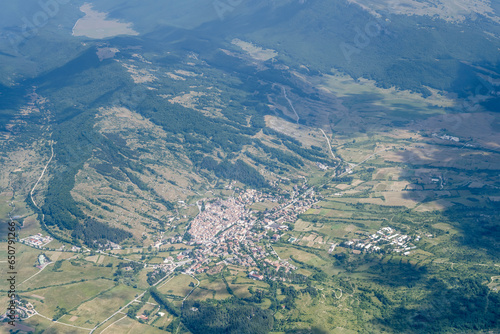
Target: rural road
column 36, row 273
column 290, row 103
column 41, row 176
column 298, row 118
column 328, row 141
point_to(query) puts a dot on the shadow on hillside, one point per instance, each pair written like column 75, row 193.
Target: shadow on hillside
column 11, row 99
column 396, row 274
column 463, row 303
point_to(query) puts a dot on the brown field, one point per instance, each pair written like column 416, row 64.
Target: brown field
column 376, row 200
column 263, row 206
column 312, row 240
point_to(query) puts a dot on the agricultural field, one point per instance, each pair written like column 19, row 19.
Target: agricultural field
column 129, row 326
column 178, row 286
column 210, row 288
column 101, row 307
column 69, row 297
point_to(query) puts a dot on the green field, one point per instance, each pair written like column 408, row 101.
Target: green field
column 210, row 288
column 178, row 286
column 302, row 256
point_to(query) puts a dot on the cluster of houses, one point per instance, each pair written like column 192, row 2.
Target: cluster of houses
column 237, row 245
column 290, row 210
column 386, row 239
column 23, row 311
column 255, row 275
column 37, row 240
column 43, row 260
column 220, row 215
column 278, row 264
column 217, row 216
column 322, row 166
column 446, row 137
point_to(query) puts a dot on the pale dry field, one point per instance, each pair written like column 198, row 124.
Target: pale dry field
column 139, row 75
column 254, row 51
column 191, row 100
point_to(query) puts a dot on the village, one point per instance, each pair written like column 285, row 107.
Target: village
column 231, row 233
